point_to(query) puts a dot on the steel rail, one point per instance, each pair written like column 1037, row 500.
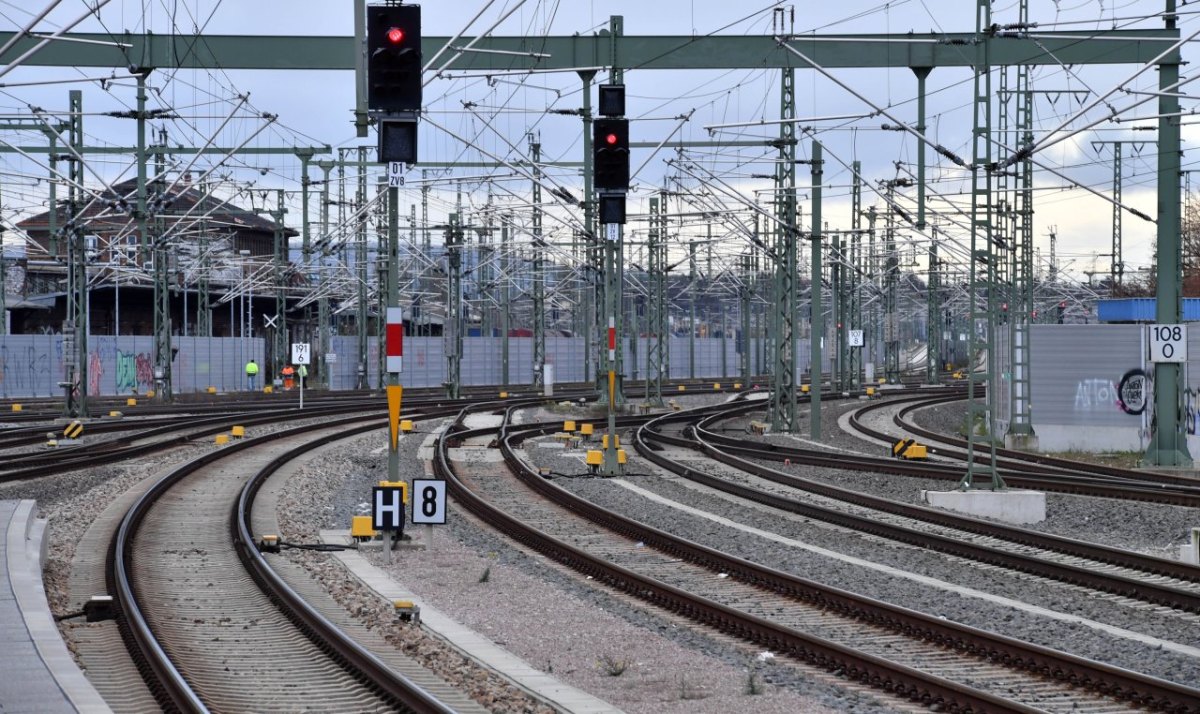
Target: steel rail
column 886, row 675
column 1022, row 458
column 164, row 679
column 1185, row 494
column 1150, row 592
column 1138, row 688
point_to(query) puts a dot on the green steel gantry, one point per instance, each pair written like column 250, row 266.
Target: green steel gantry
column 145, row 52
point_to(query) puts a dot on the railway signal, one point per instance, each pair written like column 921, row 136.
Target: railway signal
column 610, row 155
column 394, row 58
column 610, row 152
column 394, row 90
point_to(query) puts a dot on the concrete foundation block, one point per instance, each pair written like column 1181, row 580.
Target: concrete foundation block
column 1023, row 442
column 1008, row 506
column 1190, row 552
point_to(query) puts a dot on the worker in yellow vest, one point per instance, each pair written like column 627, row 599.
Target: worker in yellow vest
column 251, row 375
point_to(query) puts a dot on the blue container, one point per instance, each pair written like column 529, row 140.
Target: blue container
column 1141, row 310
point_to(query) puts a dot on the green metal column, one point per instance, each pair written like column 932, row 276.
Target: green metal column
column 783, row 377
column 933, row 319
column 922, row 73
column 1020, row 425
column 611, row 465
column 817, row 333
column 77, row 290
column 279, row 263
column 891, row 311
column 306, row 259
column 162, row 280
column 596, row 349
column 616, row 75
column 204, row 301
column 486, row 253
column 656, row 249
column 1118, row 264
column 692, row 288
column 360, row 268
column 452, row 328
column 383, row 274
column 505, row 297
column 539, row 277
column 1168, row 443
column 837, row 292
column 981, row 313
column 854, row 317
column 324, row 331
column 745, row 292
column 871, row 327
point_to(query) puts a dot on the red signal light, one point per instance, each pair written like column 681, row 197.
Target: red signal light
column 395, row 35
column 610, row 139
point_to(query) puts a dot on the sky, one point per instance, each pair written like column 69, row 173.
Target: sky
column 497, row 115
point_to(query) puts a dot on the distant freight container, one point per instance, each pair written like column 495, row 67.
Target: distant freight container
column 1141, row 310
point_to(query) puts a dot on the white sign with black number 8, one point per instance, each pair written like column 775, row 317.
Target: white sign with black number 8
column 429, row 501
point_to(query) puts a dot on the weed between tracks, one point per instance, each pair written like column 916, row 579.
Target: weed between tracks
column 612, row 666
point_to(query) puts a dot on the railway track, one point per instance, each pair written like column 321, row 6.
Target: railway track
column 1169, row 583
column 213, row 626
column 898, row 651
column 1059, row 478
column 1017, row 463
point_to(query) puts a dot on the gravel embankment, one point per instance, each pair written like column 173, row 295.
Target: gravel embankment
column 1144, row 525
column 74, row 500
column 585, row 635
column 598, row 642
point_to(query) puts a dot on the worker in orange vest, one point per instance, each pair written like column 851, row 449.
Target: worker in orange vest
column 288, row 374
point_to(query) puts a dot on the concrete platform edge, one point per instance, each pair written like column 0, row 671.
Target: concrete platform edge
column 26, row 551
column 513, row 669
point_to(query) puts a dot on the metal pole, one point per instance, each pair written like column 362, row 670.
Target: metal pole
column 1168, row 443
column 393, row 300
column 817, row 332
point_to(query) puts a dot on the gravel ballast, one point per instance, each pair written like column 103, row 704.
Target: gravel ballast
column 638, row 659
column 593, row 640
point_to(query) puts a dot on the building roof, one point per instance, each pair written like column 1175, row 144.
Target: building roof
column 116, row 210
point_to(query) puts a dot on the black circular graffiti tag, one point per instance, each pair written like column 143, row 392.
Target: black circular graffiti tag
column 1133, row 393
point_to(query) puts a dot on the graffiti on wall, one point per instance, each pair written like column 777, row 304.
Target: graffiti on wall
column 24, row 369
column 1189, row 410
column 1134, row 393
column 133, row 371
column 95, row 372
column 1095, row 395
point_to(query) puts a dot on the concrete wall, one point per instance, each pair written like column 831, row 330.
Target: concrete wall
column 425, row 360
column 1076, row 372
column 32, row 365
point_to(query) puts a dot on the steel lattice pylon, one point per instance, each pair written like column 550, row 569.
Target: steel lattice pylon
column 539, row 282
column 454, row 306
column 1020, row 425
column 783, row 376
column 981, row 297
column 658, row 349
